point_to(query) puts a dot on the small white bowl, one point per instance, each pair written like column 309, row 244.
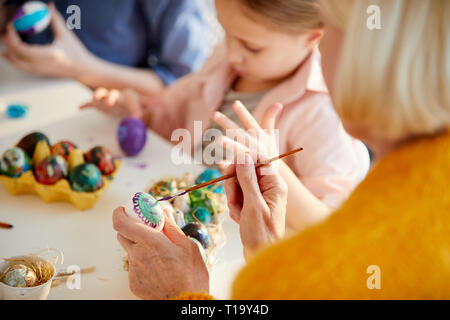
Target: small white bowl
column 32, row 293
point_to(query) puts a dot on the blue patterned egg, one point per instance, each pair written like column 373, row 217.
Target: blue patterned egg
column 199, row 232
column 85, row 178
column 144, row 208
column 208, row 175
column 14, row 162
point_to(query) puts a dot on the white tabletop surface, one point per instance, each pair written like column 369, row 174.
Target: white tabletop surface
column 86, row 237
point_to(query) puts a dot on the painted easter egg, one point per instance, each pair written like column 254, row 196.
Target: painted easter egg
column 208, row 175
column 19, row 276
column 144, row 208
column 199, row 214
column 29, row 142
column 164, row 188
column 31, row 18
column 207, row 199
column 85, row 178
column 63, row 149
column 102, row 158
column 51, row 170
column 14, row 162
column 132, row 135
column 198, row 231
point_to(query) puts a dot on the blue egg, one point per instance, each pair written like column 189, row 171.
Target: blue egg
column 208, row 175
column 199, row 214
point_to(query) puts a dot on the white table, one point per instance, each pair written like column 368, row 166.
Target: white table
column 86, row 237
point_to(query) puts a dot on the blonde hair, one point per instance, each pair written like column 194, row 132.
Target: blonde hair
column 292, row 16
column 394, row 80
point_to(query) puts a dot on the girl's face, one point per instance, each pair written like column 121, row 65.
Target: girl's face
column 258, row 51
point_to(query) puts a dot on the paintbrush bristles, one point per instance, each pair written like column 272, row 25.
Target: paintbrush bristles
column 228, row 176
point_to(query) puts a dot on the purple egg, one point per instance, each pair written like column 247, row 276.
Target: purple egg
column 132, row 135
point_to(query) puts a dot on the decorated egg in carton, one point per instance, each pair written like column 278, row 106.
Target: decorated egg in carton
column 57, row 173
column 199, row 214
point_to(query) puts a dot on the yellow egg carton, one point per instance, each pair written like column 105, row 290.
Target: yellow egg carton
column 60, row 191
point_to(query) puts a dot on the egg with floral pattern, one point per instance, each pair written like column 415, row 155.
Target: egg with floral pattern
column 144, row 208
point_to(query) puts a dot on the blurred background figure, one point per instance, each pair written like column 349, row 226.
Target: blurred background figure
column 139, row 44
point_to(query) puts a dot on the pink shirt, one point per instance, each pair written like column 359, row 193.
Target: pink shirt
column 332, row 163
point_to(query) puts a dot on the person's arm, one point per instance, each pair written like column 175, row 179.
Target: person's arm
column 180, row 30
column 67, row 57
column 303, row 208
column 96, row 72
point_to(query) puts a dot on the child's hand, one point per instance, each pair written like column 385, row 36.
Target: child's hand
column 117, row 103
column 65, row 57
column 259, row 141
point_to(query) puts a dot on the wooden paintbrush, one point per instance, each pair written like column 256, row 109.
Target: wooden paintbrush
column 4, row 225
column 227, row 176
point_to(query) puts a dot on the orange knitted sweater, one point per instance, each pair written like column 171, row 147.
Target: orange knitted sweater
column 390, row 240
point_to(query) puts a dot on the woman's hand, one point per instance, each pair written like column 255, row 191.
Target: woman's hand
column 65, row 57
column 258, row 203
column 118, row 103
column 162, row 265
column 257, row 199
